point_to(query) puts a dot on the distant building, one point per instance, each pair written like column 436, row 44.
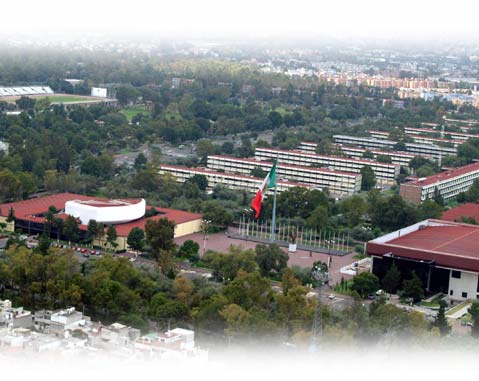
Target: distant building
column 60, row 321
column 337, row 182
column 124, row 214
column 8, row 92
column 4, row 147
column 15, row 317
column 449, row 184
column 385, row 173
column 99, row 92
column 228, row 180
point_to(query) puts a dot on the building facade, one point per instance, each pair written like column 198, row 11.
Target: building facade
column 385, row 173
column 337, row 182
column 442, row 253
column 448, row 184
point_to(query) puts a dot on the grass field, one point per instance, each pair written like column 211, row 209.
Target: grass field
column 60, row 98
column 131, row 112
column 68, row 98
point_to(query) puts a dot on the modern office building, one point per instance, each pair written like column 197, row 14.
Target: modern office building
column 442, row 253
column 229, row 180
column 449, row 184
column 397, row 157
column 385, row 173
column 338, row 183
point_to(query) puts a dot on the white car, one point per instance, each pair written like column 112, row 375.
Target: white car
column 331, row 296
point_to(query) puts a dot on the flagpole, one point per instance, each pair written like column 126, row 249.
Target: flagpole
column 273, row 220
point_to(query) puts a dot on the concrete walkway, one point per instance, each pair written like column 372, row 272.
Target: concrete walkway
column 459, row 313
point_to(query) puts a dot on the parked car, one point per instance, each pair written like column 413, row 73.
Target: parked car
column 331, row 296
column 83, row 251
column 92, row 252
column 86, row 255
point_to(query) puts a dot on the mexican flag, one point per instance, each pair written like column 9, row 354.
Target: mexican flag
column 268, row 182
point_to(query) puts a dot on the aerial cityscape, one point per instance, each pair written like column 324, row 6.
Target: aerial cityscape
column 189, row 194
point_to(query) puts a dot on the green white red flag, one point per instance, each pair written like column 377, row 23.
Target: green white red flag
column 268, row 183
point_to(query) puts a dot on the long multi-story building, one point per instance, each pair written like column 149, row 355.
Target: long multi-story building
column 417, row 137
column 397, row 157
column 337, row 182
column 415, row 148
column 455, row 136
column 385, row 173
column 449, row 184
column 229, row 180
column 366, row 142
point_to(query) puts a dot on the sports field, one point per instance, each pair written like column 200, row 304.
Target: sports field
column 57, row 98
column 131, row 112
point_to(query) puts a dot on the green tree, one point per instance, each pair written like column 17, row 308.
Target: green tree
column 111, row 236
column 413, row 288
column 441, row 321
column 270, row 258
column 200, row 180
column 319, row 218
column 159, row 235
column 11, row 215
column 70, row 229
column 140, row 161
column 189, row 250
column 365, row 283
column 474, row 311
column 136, row 238
column 92, row 229
column 392, row 279
column 368, row 180
column 43, row 244
column 258, row 172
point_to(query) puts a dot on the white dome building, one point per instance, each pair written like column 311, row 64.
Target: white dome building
column 109, row 212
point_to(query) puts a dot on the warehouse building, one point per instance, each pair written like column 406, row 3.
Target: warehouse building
column 337, row 182
column 449, row 184
column 124, row 214
column 229, row 180
column 442, row 253
column 385, row 173
column 397, row 157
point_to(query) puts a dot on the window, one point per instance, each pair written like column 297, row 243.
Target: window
column 451, row 292
column 456, row 274
column 464, row 294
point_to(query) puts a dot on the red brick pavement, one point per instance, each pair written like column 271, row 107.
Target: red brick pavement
column 221, row 242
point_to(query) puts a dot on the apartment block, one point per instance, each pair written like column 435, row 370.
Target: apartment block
column 385, row 173
column 337, row 182
column 397, row 157
column 229, row 180
column 449, row 184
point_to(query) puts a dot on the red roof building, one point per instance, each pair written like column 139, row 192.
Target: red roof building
column 449, row 184
column 443, row 253
column 30, row 214
column 460, row 212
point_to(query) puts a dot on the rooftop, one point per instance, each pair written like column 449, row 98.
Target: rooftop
column 34, row 209
column 449, row 244
column 338, row 158
column 465, row 210
column 447, row 175
column 282, row 165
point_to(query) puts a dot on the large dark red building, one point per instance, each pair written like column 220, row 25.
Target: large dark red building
column 444, row 254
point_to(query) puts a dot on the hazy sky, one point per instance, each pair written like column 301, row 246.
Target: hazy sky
column 249, row 18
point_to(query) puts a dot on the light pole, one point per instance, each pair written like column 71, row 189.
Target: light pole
column 206, row 224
